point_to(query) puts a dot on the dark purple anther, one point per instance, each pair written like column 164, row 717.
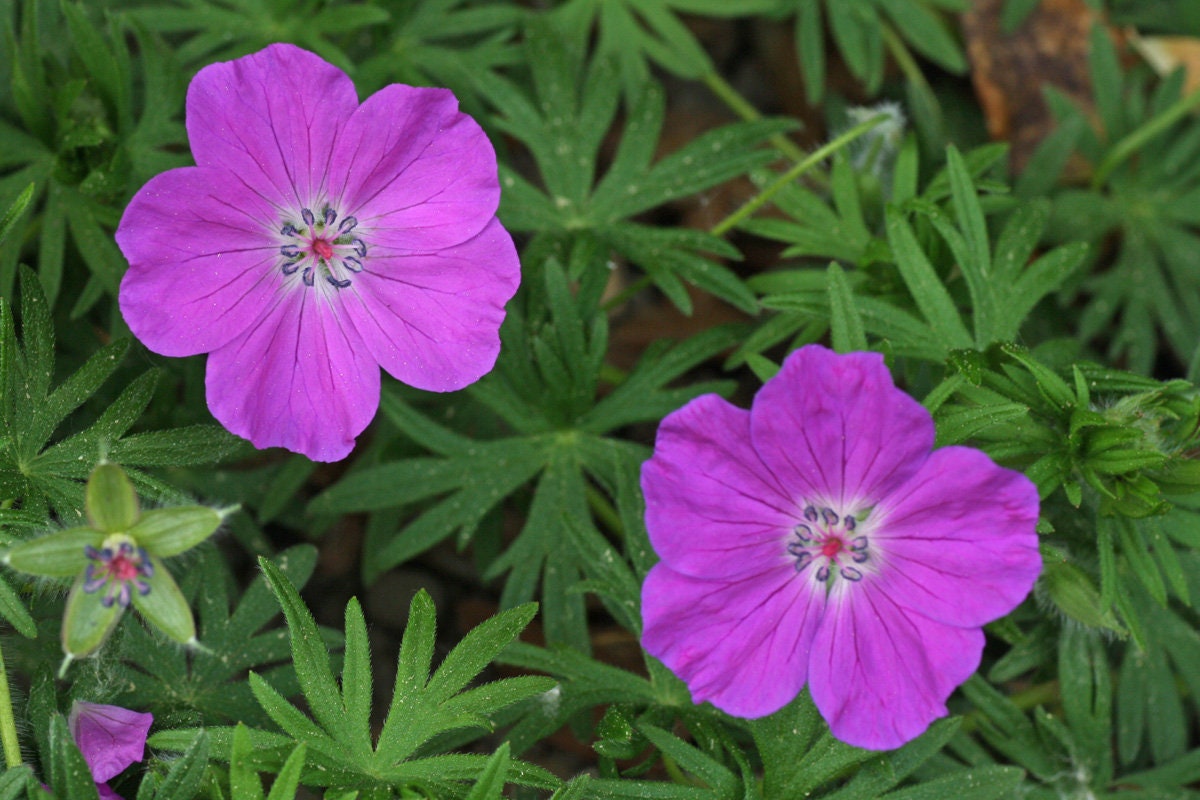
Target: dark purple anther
column 830, row 516
column 803, row 532
column 330, row 216
column 291, row 267
column 352, row 264
column 360, row 247
column 810, row 513
column 803, row 560
column 308, row 276
column 347, row 225
column 341, row 284
column 823, row 573
column 290, row 251
column 307, row 214
column 851, row 574
column 849, row 522
column 289, row 230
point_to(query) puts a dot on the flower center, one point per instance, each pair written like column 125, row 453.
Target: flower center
column 831, row 542
column 325, row 248
column 116, row 566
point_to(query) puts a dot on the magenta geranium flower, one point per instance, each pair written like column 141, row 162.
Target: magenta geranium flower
column 315, row 241
column 110, row 738
column 817, row 539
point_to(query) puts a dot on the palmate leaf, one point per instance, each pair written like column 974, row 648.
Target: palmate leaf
column 48, row 478
column 337, row 738
column 93, row 126
column 544, row 386
column 445, row 43
column 634, row 33
column 858, row 31
column 563, row 127
column 219, row 30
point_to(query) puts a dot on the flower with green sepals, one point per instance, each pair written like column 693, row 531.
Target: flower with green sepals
column 116, row 560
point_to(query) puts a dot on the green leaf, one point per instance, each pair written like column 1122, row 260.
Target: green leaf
column 69, row 773
column 490, row 785
column 14, row 211
column 309, row 655
column 243, row 778
column 183, row 779
column 846, row 326
column 981, row 783
column 927, row 290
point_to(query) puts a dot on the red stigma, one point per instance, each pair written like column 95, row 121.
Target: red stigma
column 832, row 547
column 322, row 248
column 122, row 569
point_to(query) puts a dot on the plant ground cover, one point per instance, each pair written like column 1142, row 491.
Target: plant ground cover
column 599, row 399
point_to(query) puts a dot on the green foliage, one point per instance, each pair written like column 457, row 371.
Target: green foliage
column 861, row 31
column 1044, row 321
column 563, row 125
column 545, row 387
column 85, row 130
column 337, row 738
column 48, row 478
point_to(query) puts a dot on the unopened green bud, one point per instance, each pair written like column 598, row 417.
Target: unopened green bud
column 1073, row 592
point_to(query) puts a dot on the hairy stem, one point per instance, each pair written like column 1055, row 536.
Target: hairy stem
column 810, row 161
column 8, row 724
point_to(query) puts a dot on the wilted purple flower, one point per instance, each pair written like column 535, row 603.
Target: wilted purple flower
column 110, row 739
column 315, row 240
column 816, row 538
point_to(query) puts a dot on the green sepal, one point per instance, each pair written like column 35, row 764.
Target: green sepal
column 1074, row 593
column 112, row 504
column 164, row 606
column 87, row 622
column 169, row 531
column 59, row 555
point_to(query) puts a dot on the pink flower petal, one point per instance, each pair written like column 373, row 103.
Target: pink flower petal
column 880, row 674
column 742, row 645
column 713, row 510
column 417, row 174
column 271, row 120
column 835, row 429
column 959, row 539
column 301, row 378
column 201, row 265
column 109, row 737
column 432, row 320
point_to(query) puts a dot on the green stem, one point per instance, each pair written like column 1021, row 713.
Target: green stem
column 1039, row 695
column 738, row 104
column 913, row 74
column 810, row 161
column 8, row 724
column 1134, row 141
column 604, row 511
column 627, row 293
